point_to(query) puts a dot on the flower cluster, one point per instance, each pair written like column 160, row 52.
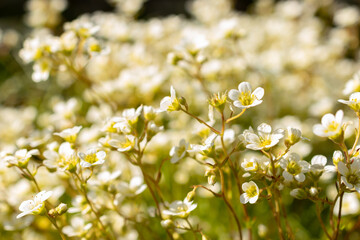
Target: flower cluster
column 157, row 128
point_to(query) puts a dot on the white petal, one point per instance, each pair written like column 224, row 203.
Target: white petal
column 327, row 119
column 23, row 214
column 319, row 130
column 330, row 168
column 339, row 116
column 234, row 94
column 101, row 155
column 287, row 176
column 300, row 177
column 244, row 198
column 319, row 160
column 244, row 87
column 27, row 205
column 85, row 164
column 253, row 199
column 238, row 104
column 343, row 170
column 259, row 93
column 265, row 128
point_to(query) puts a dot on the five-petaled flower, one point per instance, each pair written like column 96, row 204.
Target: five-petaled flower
column 294, row 167
column 35, row 206
column 251, row 193
column 244, row 98
column 21, row 157
column 170, row 103
column 331, row 126
column 180, row 209
column 350, row 176
column 354, row 101
column 92, row 157
column 178, row 152
column 265, row 139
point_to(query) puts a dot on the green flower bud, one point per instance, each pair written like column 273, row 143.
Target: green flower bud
column 298, row 193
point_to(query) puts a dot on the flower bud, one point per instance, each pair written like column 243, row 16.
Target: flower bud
column 313, row 191
column 149, row 113
column 212, row 179
column 190, row 196
column 218, row 101
column 167, row 223
column 61, row 209
column 298, row 193
column 183, row 102
column 292, row 136
column 337, row 157
column 203, row 237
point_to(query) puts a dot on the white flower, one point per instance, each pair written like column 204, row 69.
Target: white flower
column 38, row 47
column 135, row 187
column 64, row 159
column 21, row 157
column 294, row 168
column 318, row 162
column 69, row 134
column 95, row 48
column 347, row 16
column 350, row 176
column 353, row 85
column 78, row 227
column 354, row 101
column 292, row 136
column 206, row 149
column 92, row 157
column 149, row 113
column 130, row 117
column 82, row 27
column 265, row 139
column 180, row 209
column 125, row 145
column 244, row 98
column 178, row 152
column 42, row 70
column 169, row 103
column 330, row 125
column 105, row 178
column 318, row 165
column 68, row 41
column 35, row 206
column 250, row 164
column 251, row 193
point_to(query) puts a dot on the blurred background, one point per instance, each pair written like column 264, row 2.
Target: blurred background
column 11, row 11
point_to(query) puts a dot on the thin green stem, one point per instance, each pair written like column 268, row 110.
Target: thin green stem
column 235, row 117
column 228, row 204
column 200, row 121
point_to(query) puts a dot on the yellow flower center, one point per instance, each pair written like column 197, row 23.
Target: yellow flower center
column 333, row 126
column 293, row 168
column 246, row 98
column 251, row 191
column 91, row 158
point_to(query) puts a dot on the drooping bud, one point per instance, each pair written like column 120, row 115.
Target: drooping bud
column 292, row 136
column 190, row 196
column 61, row 209
column 298, row 193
